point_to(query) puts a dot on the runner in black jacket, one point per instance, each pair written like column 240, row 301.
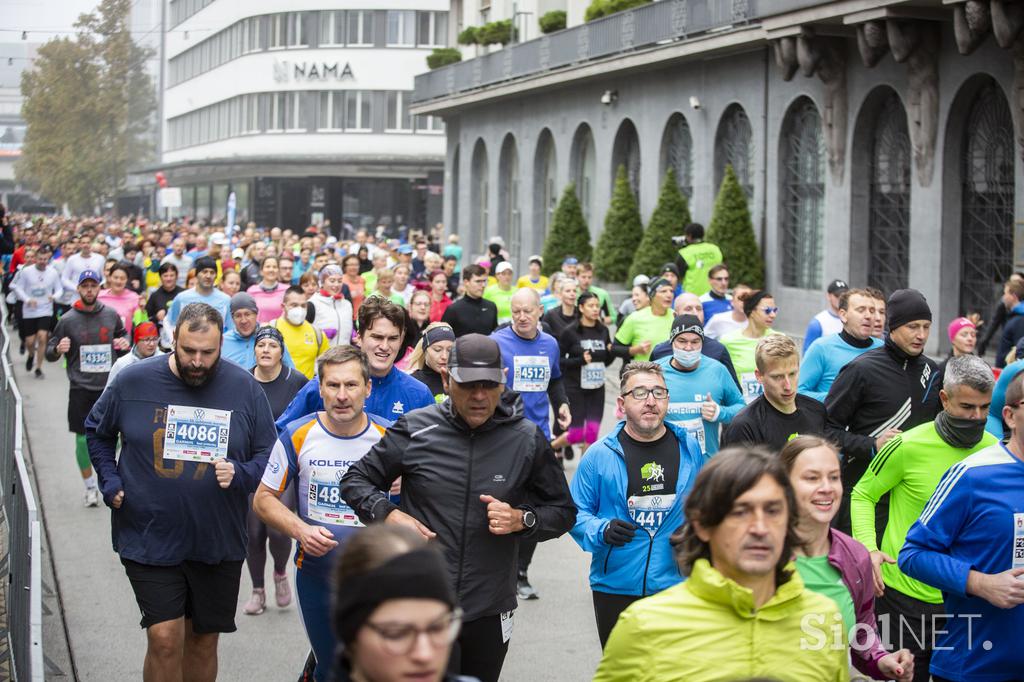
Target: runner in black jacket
column 477, row 475
column 883, row 392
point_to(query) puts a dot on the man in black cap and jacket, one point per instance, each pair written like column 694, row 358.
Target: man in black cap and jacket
column 881, row 393
column 477, row 476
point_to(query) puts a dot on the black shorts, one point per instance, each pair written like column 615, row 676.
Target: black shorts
column 31, row 325
column 206, row 594
column 80, row 402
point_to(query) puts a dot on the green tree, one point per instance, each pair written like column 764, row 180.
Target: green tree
column 89, row 104
column 732, row 230
column 569, row 235
column 671, row 216
column 443, row 56
column 623, row 230
column 552, row 21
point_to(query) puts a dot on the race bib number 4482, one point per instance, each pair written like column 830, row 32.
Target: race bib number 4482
column 196, row 434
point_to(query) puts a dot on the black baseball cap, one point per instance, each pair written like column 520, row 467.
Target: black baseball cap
column 837, row 286
column 686, row 323
column 205, row 263
column 475, row 357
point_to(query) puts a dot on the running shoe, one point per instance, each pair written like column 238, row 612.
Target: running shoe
column 524, row 588
column 257, row 603
column 39, row 373
column 282, row 590
column 92, row 497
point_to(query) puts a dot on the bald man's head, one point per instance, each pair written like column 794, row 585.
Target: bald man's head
column 689, row 304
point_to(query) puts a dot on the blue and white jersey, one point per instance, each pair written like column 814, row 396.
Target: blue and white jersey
column 317, row 459
column 974, row 520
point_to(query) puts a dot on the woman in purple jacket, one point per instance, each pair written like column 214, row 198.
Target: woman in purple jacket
column 833, row 563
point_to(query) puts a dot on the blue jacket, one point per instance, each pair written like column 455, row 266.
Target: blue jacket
column 391, row 396
column 1013, row 331
column 645, row 565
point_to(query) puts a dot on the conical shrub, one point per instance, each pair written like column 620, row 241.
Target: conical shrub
column 623, row 231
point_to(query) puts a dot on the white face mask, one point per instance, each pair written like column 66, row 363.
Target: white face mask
column 686, row 358
column 296, row 316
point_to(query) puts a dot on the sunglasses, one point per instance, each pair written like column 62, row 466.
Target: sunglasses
column 770, row 310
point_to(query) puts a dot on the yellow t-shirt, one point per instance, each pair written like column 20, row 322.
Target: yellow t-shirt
column 525, row 282
column 304, row 343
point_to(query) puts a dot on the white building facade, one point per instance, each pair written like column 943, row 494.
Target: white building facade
column 302, row 110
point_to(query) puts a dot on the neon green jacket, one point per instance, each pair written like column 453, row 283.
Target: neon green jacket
column 706, row 629
column 908, row 467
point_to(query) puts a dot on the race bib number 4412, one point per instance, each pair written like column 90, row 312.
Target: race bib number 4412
column 196, row 434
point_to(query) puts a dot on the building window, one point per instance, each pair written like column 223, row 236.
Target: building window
column 401, row 28
column 251, row 33
column 734, row 147
column 278, row 29
column 331, row 116
column 508, row 195
column 293, row 112
column 398, row 111
column 479, row 191
column 802, row 196
column 277, row 110
column 432, row 29
column 429, row 124
column 360, row 27
column 358, row 110
column 332, row 28
column 626, row 152
column 889, row 198
column 677, row 153
column 296, row 34
column 584, row 156
column 544, row 188
column 987, row 222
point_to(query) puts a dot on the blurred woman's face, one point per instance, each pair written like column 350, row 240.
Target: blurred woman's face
column 437, row 354
column 231, row 283
column 405, row 639
column 268, row 353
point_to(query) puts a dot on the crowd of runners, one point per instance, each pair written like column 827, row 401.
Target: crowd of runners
column 394, row 415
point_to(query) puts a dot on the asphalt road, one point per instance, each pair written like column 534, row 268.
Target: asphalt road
column 554, row 638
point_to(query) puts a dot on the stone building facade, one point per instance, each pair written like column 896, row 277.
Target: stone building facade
column 875, row 139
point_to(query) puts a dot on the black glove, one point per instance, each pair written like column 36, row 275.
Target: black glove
column 619, row 532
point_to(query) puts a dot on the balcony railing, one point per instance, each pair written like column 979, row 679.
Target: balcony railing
column 658, row 22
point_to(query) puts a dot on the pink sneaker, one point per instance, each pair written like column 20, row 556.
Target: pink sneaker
column 282, row 590
column 257, row 603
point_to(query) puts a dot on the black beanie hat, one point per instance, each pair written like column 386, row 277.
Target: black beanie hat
column 906, row 305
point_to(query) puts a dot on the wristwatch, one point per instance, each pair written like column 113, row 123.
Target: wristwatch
column 529, row 519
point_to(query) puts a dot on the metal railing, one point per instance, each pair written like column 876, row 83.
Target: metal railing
column 24, row 583
column 644, row 26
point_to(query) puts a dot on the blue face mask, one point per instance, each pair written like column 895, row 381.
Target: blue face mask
column 686, row 358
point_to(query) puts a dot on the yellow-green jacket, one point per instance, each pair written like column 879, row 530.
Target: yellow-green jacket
column 706, row 629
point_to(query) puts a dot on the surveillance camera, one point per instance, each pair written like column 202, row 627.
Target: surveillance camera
column 609, row 97
column 694, row 103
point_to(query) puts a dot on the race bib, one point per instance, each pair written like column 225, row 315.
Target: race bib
column 196, row 434
column 650, row 511
column 507, row 624
column 531, row 373
column 695, row 427
column 751, row 387
column 1018, row 542
column 324, row 502
column 687, row 416
column 592, row 375
column 95, row 359
column 38, row 292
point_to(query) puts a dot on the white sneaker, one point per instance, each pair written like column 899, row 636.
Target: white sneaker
column 92, row 497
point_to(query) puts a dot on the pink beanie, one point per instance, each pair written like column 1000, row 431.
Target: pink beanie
column 956, row 325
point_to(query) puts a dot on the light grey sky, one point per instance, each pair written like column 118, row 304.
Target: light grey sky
column 43, row 20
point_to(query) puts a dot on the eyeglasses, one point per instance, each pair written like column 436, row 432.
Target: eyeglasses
column 641, row 393
column 720, row 279
column 770, row 310
column 400, row 640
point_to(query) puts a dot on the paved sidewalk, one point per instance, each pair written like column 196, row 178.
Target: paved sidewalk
column 554, row 640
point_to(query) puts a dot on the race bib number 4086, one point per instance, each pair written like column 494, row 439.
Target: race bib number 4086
column 196, row 434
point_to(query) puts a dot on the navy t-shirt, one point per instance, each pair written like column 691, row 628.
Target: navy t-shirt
column 174, row 510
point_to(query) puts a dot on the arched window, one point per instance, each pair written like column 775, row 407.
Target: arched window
column 510, row 225
column 889, row 198
column 677, row 153
column 479, row 192
column 802, row 196
column 734, row 147
column 626, row 152
column 986, row 246
column 584, row 163
column 545, row 190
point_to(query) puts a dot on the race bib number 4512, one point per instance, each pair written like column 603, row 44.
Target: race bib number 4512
column 531, row 373
column 196, row 434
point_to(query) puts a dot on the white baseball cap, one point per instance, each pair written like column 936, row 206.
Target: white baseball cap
column 502, row 267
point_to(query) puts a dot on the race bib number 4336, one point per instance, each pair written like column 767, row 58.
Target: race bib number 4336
column 196, row 434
